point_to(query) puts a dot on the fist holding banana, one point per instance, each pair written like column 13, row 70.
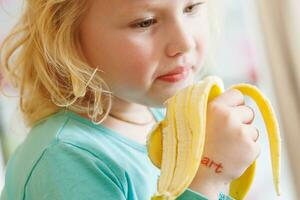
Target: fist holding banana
column 206, row 135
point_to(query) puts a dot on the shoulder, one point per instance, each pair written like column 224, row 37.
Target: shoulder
column 65, row 170
column 75, row 139
column 61, row 148
column 63, row 157
column 66, row 127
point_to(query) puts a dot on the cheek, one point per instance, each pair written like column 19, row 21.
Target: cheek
column 202, row 36
column 202, row 46
column 134, row 68
column 136, row 58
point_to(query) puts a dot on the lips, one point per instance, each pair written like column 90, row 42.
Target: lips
column 176, row 74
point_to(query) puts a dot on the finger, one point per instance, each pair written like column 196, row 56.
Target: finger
column 245, row 114
column 251, row 132
column 232, row 97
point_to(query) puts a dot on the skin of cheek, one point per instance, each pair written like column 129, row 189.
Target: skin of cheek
column 123, row 54
column 129, row 61
column 129, row 65
column 137, row 62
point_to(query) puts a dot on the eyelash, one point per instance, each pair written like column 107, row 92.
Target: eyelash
column 140, row 24
column 196, row 5
column 149, row 22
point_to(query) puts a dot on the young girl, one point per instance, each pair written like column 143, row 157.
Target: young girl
column 93, row 78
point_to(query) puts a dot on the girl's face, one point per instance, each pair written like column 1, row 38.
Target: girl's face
column 135, row 41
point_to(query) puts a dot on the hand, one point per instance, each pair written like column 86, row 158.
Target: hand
column 230, row 144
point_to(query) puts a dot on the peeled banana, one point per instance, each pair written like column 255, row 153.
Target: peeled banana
column 175, row 145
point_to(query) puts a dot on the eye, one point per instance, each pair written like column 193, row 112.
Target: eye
column 193, row 8
column 144, row 24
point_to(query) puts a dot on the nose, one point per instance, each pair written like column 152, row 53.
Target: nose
column 180, row 39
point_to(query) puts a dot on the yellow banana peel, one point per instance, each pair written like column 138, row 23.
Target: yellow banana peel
column 175, row 145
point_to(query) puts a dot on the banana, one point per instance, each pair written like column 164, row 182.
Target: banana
column 175, row 145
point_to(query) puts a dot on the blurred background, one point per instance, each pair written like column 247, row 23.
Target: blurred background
column 259, row 43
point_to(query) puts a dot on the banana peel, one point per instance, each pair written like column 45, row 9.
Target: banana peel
column 175, row 145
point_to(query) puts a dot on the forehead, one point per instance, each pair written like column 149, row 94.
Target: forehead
column 160, row 6
column 122, row 8
column 132, row 4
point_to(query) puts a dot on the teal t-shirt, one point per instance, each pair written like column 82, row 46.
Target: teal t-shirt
column 66, row 156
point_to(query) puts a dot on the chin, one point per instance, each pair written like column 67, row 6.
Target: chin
column 158, row 101
column 162, row 94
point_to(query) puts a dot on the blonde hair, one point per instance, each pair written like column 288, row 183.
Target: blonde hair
column 42, row 57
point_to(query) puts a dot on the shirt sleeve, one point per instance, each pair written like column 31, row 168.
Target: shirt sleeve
column 67, row 172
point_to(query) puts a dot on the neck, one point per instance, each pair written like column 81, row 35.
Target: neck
column 131, row 113
column 123, row 106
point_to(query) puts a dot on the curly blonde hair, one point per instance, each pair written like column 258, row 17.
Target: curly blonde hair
column 42, row 57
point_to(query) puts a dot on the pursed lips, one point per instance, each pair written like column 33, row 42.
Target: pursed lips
column 176, row 74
